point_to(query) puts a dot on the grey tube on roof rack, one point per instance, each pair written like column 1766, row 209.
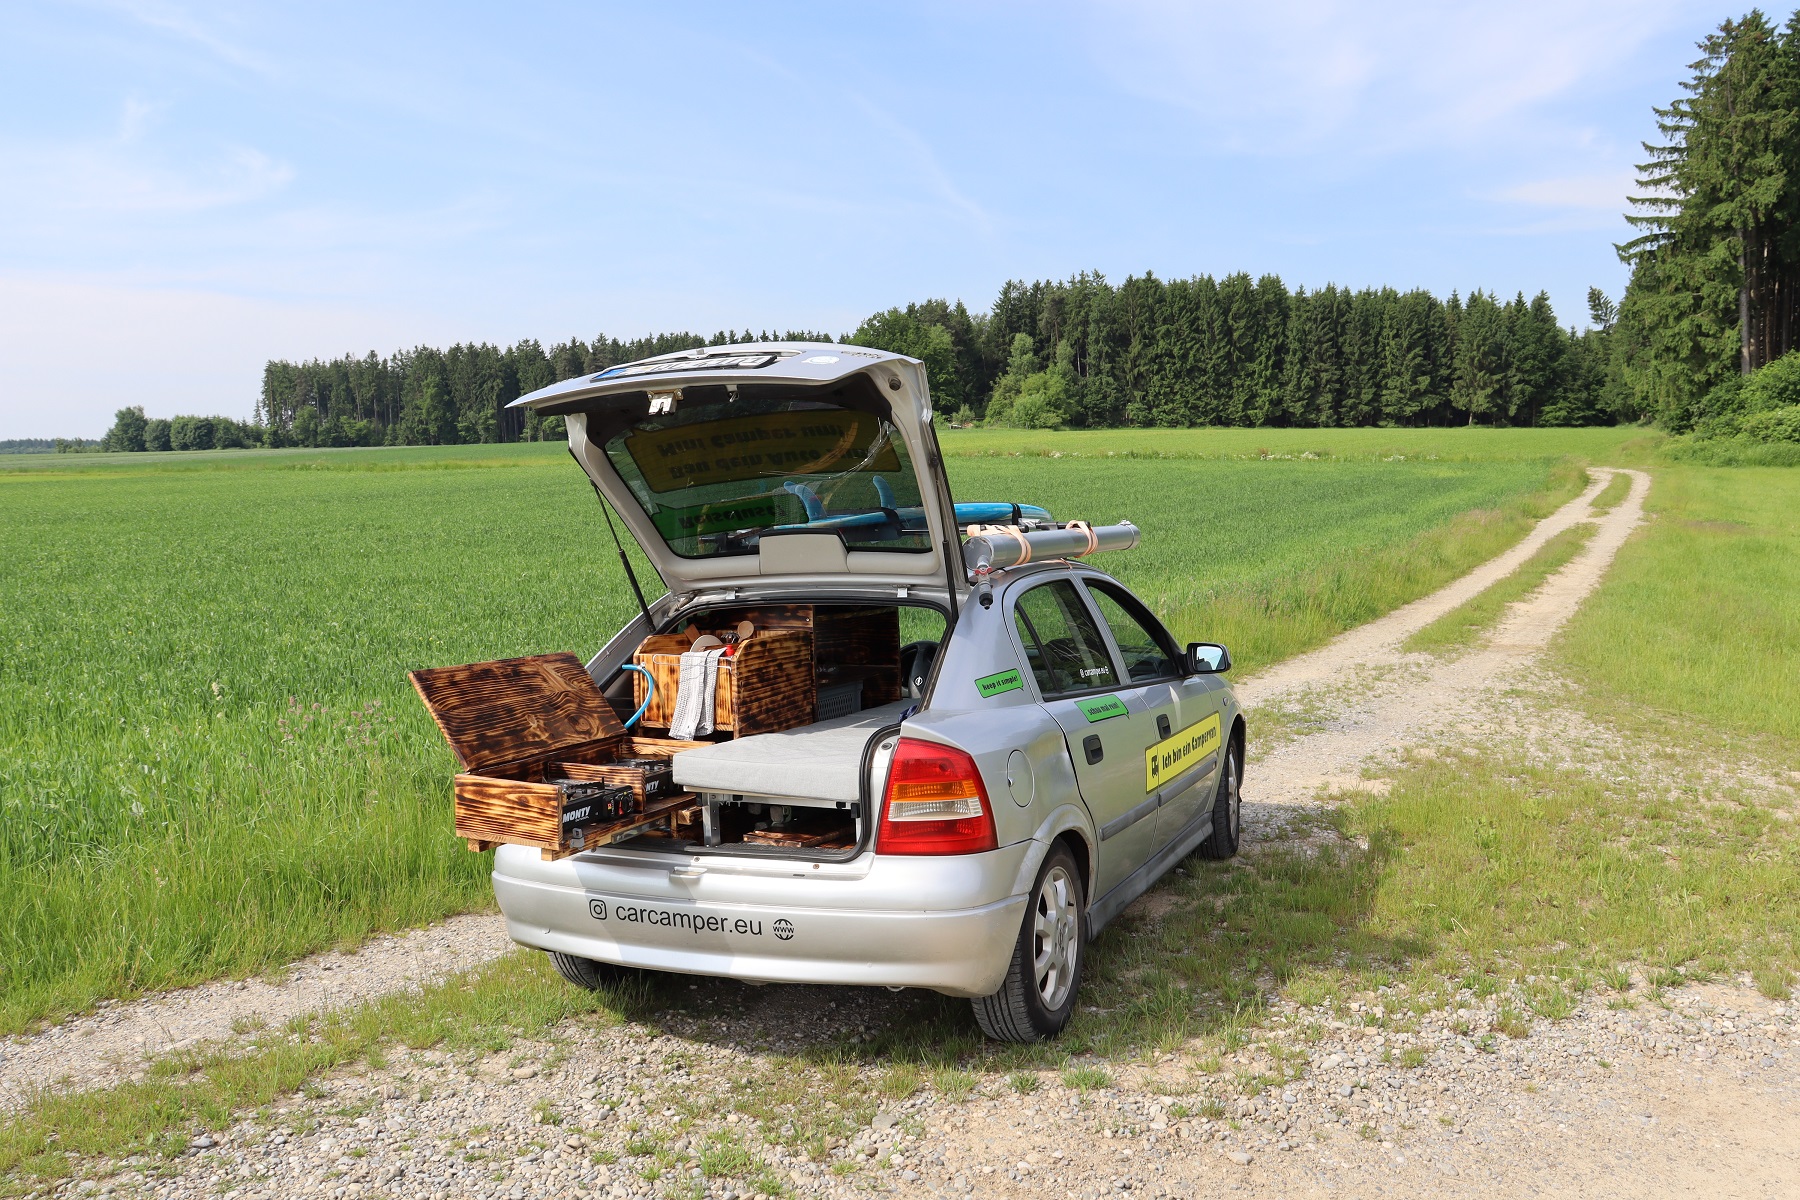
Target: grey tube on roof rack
column 992, row 548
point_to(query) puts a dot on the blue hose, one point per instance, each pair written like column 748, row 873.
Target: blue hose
column 649, row 692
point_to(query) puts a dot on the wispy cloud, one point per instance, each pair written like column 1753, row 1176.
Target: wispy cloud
column 913, row 172
column 1603, row 192
column 921, row 162
column 183, row 24
column 124, row 171
column 1287, row 75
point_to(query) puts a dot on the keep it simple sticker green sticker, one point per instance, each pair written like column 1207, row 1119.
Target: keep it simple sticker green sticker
column 992, row 685
column 1101, row 707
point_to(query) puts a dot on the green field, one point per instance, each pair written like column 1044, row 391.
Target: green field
column 1625, row 444
column 211, row 761
column 1700, row 615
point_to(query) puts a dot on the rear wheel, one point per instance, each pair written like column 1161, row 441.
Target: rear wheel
column 585, row 972
column 1228, row 808
column 1038, row 996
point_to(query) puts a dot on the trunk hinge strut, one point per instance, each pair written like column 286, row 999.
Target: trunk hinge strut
column 630, row 575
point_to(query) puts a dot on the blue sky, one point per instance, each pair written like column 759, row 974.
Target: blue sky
column 189, row 189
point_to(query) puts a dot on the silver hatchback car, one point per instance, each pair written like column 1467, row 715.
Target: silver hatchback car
column 980, row 749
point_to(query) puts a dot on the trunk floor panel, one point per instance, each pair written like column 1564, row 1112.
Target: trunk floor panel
column 818, row 762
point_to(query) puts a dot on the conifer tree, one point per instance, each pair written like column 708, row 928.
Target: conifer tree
column 1715, row 272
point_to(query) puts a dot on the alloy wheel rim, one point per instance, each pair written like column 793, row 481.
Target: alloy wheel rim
column 1055, row 945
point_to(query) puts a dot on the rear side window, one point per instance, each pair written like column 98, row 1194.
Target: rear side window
column 1062, row 643
column 1145, row 650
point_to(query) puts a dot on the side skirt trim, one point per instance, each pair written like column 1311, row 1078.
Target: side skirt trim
column 1140, row 880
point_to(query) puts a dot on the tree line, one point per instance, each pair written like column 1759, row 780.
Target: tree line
column 48, row 445
column 1243, row 351
column 1078, row 353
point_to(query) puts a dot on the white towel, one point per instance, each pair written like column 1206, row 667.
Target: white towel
column 694, row 693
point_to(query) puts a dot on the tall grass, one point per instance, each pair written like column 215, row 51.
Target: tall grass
column 1700, row 614
column 210, row 759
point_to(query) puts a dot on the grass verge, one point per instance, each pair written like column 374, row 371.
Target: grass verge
column 1699, row 621
column 1462, row 626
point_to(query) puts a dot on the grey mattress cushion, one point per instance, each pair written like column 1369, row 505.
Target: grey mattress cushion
column 818, row 762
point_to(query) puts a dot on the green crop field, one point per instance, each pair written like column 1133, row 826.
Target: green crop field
column 211, row 761
column 1618, row 445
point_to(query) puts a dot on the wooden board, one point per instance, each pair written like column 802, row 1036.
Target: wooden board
column 516, row 709
column 516, row 811
column 772, row 683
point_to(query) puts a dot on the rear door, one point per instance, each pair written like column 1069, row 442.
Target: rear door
column 731, row 464
column 1106, row 719
column 1181, row 766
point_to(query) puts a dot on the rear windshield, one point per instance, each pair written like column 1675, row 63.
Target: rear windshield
column 714, row 477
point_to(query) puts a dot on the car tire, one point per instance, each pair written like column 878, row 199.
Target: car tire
column 1228, row 809
column 1044, row 976
column 585, row 972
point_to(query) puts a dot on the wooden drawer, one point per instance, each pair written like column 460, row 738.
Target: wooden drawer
column 514, row 724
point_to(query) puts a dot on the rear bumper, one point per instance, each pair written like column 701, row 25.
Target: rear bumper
column 943, row 923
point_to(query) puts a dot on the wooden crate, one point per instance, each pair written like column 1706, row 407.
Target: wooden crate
column 859, row 643
column 765, row 686
column 509, row 724
column 849, row 641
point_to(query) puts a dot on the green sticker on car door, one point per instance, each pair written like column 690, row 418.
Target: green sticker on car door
column 1098, row 708
column 1003, row 681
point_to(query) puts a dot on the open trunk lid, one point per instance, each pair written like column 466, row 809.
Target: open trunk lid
column 744, row 464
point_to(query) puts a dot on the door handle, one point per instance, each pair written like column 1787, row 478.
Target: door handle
column 1162, row 727
column 1091, row 744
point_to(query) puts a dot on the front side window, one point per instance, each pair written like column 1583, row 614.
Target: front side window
column 715, row 477
column 1145, row 654
column 1062, row 643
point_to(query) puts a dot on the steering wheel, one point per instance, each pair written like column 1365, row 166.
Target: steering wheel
column 916, row 659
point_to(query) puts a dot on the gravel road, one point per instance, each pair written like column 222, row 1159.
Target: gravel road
column 1637, row 1093
column 1700, row 1096
column 114, row 1042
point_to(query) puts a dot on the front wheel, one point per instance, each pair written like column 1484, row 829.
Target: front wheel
column 1228, row 807
column 1038, row 996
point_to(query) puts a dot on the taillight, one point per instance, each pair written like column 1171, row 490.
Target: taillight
column 935, row 803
